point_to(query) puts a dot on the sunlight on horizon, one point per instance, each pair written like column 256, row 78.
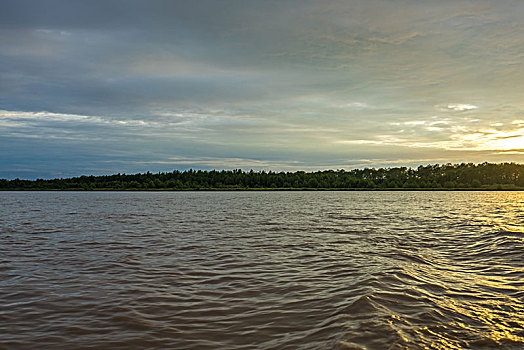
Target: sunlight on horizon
column 505, row 140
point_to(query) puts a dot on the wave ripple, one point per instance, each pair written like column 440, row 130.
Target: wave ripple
column 262, row 270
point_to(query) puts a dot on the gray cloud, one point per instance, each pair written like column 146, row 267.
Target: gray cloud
column 131, row 85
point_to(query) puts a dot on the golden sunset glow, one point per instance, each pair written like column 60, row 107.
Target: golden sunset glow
column 491, row 140
column 503, row 140
column 513, row 141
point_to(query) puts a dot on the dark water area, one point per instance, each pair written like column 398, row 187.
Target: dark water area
column 262, row 270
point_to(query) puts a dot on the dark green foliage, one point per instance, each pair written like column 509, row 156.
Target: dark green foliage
column 448, row 176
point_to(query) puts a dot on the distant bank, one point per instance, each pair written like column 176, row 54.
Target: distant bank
column 485, row 176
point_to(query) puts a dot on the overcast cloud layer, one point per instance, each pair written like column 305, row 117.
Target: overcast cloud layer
column 98, row 87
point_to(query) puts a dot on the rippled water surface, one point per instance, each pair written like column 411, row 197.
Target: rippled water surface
column 262, row 270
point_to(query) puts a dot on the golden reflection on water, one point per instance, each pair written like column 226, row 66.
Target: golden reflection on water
column 486, row 307
column 488, row 326
column 512, row 228
column 500, row 330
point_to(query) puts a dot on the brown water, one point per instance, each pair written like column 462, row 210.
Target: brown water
column 262, row 270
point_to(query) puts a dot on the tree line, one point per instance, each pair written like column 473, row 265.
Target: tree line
column 446, row 176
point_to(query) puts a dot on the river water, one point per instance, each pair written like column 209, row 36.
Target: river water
column 262, row 270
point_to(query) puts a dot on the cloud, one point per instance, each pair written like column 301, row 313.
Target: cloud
column 461, row 107
column 299, row 83
column 415, row 122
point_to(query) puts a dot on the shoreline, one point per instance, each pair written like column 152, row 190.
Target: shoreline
column 283, row 189
column 448, row 177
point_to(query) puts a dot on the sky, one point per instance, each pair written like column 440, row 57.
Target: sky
column 126, row 86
